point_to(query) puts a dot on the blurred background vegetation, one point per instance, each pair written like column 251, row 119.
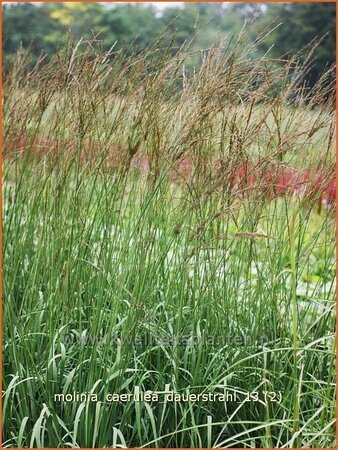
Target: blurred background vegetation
column 46, row 27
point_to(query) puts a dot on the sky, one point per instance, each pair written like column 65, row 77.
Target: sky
column 159, row 5
column 162, row 5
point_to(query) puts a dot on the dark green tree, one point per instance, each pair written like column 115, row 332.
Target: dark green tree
column 28, row 25
column 124, row 24
column 301, row 23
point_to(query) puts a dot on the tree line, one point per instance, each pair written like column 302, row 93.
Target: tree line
column 46, row 27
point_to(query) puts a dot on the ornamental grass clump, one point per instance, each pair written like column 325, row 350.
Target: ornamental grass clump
column 168, row 230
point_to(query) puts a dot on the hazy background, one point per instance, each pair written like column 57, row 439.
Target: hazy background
column 47, row 26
